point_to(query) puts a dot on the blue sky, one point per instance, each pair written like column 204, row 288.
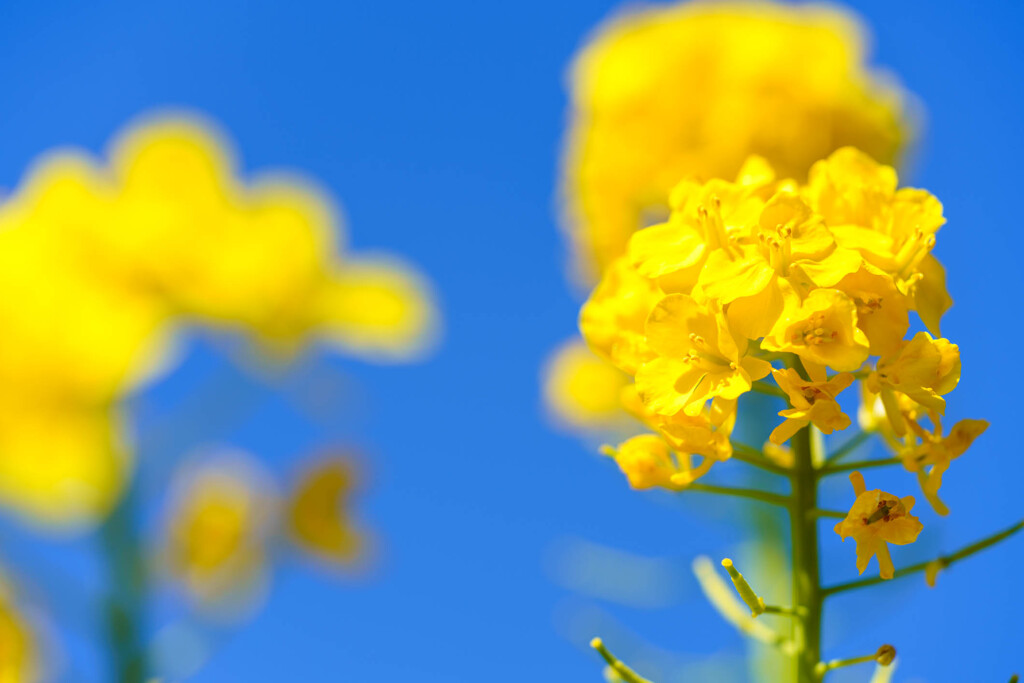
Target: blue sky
column 437, row 127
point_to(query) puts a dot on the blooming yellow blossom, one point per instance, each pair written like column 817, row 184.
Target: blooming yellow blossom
column 814, row 402
column 583, row 390
column 822, row 330
column 923, row 369
column 219, row 524
column 318, row 519
column 692, row 89
column 697, row 358
column 875, row 519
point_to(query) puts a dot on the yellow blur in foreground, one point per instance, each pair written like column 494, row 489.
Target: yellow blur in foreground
column 691, row 90
column 101, row 263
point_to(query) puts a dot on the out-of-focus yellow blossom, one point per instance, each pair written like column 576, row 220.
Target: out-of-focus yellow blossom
column 647, row 461
column 691, row 90
column 19, row 656
column 814, row 402
column 318, row 518
column 99, row 265
column 219, row 524
column 875, row 519
column 583, row 390
column 72, row 345
column 260, row 256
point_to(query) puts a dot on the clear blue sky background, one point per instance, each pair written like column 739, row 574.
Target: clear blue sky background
column 437, row 125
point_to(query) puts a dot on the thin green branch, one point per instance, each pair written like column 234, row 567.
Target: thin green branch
column 847, row 447
column 834, row 514
column 785, row 611
column 752, row 494
column 860, row 465
column 616, row 665
column 767, row 389
column 942, row 561
column 755, row 457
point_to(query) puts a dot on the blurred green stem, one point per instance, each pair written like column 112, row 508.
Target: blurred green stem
column 123, row 617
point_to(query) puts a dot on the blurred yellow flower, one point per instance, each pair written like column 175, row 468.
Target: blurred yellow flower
column 691, row 90
column 318, row 515
column 647, row 461
column 220, row 520
column 19, row 658
column 875, row 519
column 582, row 390
column 101, row 264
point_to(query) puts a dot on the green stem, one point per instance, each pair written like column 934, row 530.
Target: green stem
column 624, row 672
column 849, row 446
column 126, row 574
column 752, row 494
column 753, row 456
column 768, row 389
column 861, row 465
column 807, row 597
column 943, row 561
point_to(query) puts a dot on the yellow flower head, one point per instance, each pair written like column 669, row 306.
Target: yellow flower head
column 318, row 518
column 814, row 402
column 875, row 519
column 693, row 89
column 222, row 514
column 582, row 390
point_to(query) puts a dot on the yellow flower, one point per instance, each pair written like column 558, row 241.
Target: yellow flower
column 583, row 390
column 923, row 369
column 647, row 461
column 693, row 89
column 219, row 523
column 822, row 330
column 875, row 519
column 929, row 454
column 697, row 358
column 881, row 308
column 894, row 230
column 318, row 518
column 613, row 319
column 20, row 647
column 813, row 402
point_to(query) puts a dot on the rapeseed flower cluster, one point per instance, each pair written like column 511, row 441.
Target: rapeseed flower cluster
column 692, row 90
column 103, row 262
column 794, row 289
